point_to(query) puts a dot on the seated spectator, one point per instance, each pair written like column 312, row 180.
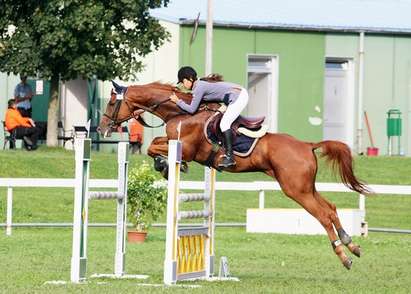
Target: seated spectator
column 135, row 135
column 23, row 95
column 24, row 127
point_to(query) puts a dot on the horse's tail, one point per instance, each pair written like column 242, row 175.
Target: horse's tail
column 339, row 156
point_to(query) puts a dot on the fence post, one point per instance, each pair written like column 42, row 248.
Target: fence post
column 9, row 210
column 261, row 199
column 361, row 202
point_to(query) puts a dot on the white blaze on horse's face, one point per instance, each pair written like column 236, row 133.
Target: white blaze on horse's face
column 119, row 96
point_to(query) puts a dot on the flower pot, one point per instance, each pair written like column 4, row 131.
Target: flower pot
column 136, row 236
column 372, row 151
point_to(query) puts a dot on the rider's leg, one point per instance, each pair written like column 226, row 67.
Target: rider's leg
column 232, row 112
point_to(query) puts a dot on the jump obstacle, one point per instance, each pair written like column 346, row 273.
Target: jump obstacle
column 189, row 251
column 80, row 218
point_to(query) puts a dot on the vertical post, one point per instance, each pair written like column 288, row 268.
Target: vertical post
column 361, row 202
column 9, row 210
column 80, row 216
column 170, row 260
column 122, row 158
column 210, row 174
column 209, row 178
column 261, row 199
column 209, row 39
column 360, row 91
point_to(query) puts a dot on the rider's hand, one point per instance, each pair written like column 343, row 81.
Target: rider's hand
column 174, row 98
column 32, row 122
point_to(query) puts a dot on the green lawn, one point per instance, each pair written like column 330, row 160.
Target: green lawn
column 265, row 263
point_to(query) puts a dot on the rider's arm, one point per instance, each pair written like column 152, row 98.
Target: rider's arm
column 198, row 93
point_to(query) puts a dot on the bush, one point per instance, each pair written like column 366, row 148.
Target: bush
column 146, row 199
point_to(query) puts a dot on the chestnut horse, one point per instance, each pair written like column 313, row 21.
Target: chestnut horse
column 291, row 162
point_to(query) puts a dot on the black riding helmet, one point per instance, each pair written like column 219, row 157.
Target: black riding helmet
column 187, row 72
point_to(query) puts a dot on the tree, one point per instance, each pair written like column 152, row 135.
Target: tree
column 62, row 40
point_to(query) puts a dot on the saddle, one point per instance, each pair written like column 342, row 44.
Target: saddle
column 246, row 132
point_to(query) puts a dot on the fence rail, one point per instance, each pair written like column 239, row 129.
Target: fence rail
column 257, row 186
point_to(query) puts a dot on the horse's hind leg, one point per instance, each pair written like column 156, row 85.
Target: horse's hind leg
column 344, row 237
column 325, row 216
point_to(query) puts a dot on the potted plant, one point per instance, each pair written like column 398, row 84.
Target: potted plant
column 146, row 200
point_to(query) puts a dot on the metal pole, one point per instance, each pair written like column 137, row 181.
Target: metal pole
column 209, row 39
column 210, row 173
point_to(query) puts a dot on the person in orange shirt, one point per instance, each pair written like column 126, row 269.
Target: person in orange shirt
column 24, row 127
column 135, row 135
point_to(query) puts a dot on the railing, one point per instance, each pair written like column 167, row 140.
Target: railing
column 258, row 186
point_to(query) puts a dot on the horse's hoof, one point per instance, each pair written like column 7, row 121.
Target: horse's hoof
column 164, row 173
column 347, row 263
column 357, row 251
column 184, row 167
column 160, row 163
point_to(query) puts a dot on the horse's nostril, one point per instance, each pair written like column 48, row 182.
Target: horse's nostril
column 98, row 129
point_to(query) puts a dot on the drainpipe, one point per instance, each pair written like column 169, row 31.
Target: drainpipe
column 360, row 92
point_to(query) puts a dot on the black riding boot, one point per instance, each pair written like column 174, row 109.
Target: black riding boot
column 228, row 158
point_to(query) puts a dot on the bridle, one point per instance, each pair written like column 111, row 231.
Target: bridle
column 115, row 121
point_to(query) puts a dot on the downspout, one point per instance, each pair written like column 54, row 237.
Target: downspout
column 360, row 92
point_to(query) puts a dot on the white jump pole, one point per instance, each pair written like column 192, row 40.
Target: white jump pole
column 80, row 216
column 170, row 260
column 210, row 178
column 119, row 262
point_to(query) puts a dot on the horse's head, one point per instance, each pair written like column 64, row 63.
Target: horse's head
column 117, row 111
column 126, row 103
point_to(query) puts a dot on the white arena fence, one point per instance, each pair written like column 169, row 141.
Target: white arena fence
column 257, row 186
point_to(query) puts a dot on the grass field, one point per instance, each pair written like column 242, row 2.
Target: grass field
column 265, row 263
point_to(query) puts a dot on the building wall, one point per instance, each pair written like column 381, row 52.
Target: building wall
column 301, row 68
column 387, row 81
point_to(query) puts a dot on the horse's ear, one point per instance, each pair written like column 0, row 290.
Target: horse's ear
column 118, row 89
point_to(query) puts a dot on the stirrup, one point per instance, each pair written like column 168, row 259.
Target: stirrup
column 227, row 161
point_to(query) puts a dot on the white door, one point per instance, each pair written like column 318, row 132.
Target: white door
column 338, row 106
column 262, row 89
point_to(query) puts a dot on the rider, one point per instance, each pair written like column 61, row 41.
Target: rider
column 213, row 88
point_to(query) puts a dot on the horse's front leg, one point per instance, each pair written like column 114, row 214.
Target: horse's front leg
column 158, row 149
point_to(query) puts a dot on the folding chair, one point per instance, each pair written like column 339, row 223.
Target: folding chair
column 9, row 137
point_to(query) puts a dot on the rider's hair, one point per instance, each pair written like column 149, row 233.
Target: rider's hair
column 213, row 78
column 187, row 72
